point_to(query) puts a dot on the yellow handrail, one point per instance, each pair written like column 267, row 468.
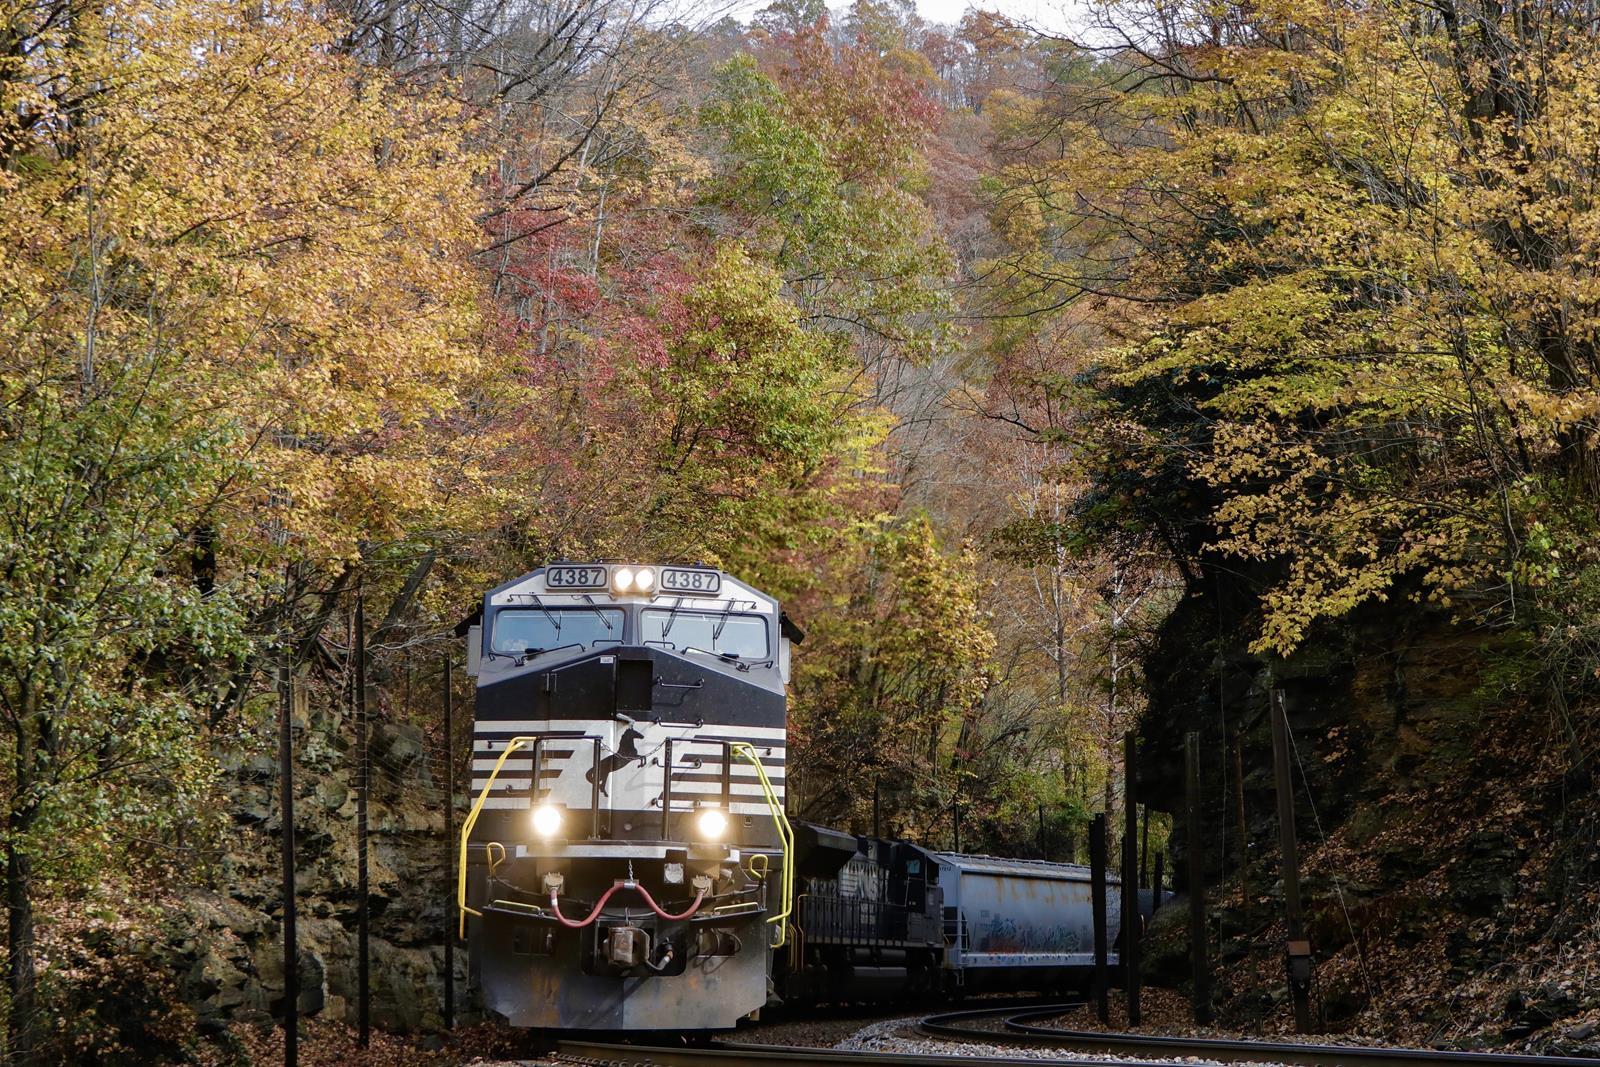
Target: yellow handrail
column 785, row 834
column 472, row 820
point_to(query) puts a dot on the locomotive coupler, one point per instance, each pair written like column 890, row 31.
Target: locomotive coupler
column 628, row 946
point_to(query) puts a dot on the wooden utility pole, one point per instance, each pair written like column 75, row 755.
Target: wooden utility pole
column 1297, row 950
column 1097, row 892
column 1132, row 921
column 877, row 808
column 291, row 953
column 449, row 847
column 363, row 776
column 1155, row 884
column 1144, row 847
column 1199, row 950
column 1242, row 827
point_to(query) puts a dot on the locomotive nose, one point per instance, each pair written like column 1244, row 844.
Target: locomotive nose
column 629, row 737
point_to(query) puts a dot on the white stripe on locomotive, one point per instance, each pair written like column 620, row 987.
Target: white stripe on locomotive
column 520, row 803
column 718, row 731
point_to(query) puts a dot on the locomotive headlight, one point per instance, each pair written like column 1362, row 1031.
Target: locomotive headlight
column 711, row 823
column 547, row 820
column 622, row 580
column 644, row 579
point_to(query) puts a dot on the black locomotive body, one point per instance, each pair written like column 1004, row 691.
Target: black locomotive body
column 623, row 865
column 869, row 920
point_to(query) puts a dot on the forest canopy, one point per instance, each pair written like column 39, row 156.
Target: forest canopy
column 979, row 346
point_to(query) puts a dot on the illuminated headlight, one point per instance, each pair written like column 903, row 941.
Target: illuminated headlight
column 622, row 580
column 547, row 820
column 711, row 823
column 644, row 579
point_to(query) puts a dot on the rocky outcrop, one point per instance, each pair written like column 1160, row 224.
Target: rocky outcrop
column 1437, row 802
column 227, row 946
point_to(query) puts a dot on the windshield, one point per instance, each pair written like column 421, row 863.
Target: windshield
column 743, row 635
column 519, row 629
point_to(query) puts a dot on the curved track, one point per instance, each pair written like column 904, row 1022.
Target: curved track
column 1005, row 1025
column 1022, row 1028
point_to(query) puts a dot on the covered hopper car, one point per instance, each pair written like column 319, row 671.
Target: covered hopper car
column 877, row 919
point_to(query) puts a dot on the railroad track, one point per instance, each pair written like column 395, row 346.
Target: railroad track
column 1021, row 1030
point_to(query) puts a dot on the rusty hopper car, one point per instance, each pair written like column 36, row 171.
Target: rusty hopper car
column 624, row 865
column 1021, row 924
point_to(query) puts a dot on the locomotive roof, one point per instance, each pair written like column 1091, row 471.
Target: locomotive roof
column 1020, row 868
column 732, row 590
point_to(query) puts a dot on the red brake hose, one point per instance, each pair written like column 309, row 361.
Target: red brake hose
column 593, row 915
column 555, row 906
column 699, row 896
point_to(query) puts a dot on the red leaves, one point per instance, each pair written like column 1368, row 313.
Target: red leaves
column 873, row 116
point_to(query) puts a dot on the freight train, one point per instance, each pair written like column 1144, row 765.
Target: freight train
column 627, row 863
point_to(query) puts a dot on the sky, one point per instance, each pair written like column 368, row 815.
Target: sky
column 1046, row 14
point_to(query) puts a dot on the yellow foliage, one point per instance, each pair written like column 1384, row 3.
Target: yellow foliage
column 289, row 229
column 1362, row 242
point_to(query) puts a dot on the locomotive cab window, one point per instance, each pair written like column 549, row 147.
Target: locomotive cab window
column 744, row 636
column 518, row 629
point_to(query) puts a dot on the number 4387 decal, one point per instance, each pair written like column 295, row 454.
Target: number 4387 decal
column 681, row 580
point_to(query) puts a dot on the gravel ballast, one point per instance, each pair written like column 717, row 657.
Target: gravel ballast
column 900, row 1036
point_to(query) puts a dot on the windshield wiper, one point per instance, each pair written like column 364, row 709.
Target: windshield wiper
column 728, row 657
column 589, row 600
column 728, row 613
column 554, row 622
column 672, row 617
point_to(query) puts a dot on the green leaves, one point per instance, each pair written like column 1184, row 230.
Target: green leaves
column 819, row 169
column 778, row 173
column 890, row 688
column 101, row 486
column 753, row 414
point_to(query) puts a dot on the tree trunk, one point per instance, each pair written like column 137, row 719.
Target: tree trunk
column 19, row 950
column 20, row 964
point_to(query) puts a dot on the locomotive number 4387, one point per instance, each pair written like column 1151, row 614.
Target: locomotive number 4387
column 591, row 577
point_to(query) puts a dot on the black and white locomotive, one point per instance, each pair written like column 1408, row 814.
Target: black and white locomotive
column 627, row 863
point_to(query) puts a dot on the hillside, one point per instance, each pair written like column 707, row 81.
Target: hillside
column 1446, row 821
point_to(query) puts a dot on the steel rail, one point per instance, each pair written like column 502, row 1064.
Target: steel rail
column 1021, row 1029
column 1122, row 1050
column 732, row 1054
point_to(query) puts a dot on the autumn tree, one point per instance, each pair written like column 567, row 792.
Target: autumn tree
column 996, row 56
column 98, row 624
column 790, row 17
column 231, row 294
column 882, row 26
column 892, row 689
column 1369, row 441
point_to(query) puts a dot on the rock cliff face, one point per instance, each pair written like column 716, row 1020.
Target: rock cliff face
column 229, row 945
column 1445, row 823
